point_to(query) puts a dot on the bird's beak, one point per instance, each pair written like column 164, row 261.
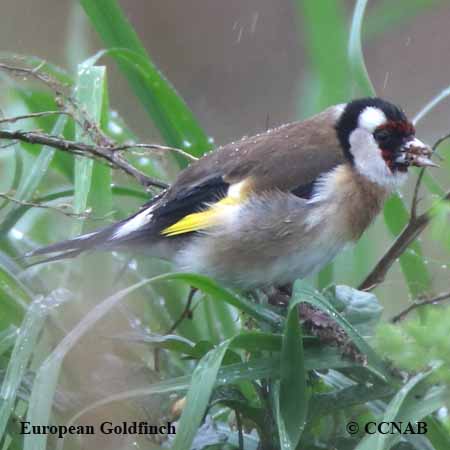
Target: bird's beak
column 416, row 153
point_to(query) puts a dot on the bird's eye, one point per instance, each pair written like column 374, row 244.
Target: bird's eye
column 388, row 139
column 382, row 136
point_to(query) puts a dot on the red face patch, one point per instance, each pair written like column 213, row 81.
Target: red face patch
column 400, row 128
column 390, row 138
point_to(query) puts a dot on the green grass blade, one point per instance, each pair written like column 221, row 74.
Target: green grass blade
column 36, row 101
column 402, row 409
column 197, row 399
column 23, row 350
column 293, row 393
column 166, row 108
column 437, row 433
column 8, row 338
column 46, row 379
column 14, row 299
column 324, row 27
column 219, row 293
column 47, row 376
column 355, row 54
column 92, row 179
column 231, row 374
column 32, row 181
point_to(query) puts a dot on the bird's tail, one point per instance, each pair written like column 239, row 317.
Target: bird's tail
column 69, row 248
column 132, row 230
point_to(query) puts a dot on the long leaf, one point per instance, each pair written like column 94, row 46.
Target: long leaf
column 169, row 112
column 230, row 374
column 29, row 184
column 44, row 386
column 355, row 53
column 37, row 101
column 202, row 384
column 219, row 293
column 14, row 299
column 23, row 350
column 397, row 412
column 92, row 180
column 293, row 393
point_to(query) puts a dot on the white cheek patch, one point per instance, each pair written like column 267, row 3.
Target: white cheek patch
column 370, row 163
column 371, row 118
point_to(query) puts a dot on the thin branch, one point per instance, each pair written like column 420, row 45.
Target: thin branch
column 62, row 99
column 106, row 153
column 412, row 230
column 415, row 226
column 35, row 73
column 156, row 147
column 104, row 149
column 415, row 200
column 8, row 145
column 440, row 141
column 187, row 311
column 61, row 209
column 432, row 301
column 34, row 115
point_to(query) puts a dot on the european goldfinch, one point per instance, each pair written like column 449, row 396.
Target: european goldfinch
column 275, row 207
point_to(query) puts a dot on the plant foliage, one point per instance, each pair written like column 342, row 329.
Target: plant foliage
column 239, row 373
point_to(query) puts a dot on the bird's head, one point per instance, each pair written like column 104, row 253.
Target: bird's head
column 379, row 140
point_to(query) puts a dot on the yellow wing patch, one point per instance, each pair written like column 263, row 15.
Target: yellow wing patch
column 213, row 215
column 201, row 220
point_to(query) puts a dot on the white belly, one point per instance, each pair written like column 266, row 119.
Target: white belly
column 272, row 263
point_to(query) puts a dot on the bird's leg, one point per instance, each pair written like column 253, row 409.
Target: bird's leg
column 279, row 295
column 187, row 311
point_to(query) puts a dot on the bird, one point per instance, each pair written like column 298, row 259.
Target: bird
column 275, row 207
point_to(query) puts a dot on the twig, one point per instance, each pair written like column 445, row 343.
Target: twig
column 60, row 210
column 187, row 311
column 415, row 226
column 7, row 145
column 62, row 99
column 415, row 200
column 34, row 115
column 432, row 301
column 35, row 73
column 412, row 230
column 106, row 153
column 104, row 148
column 440, row 141
column 156, row 147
